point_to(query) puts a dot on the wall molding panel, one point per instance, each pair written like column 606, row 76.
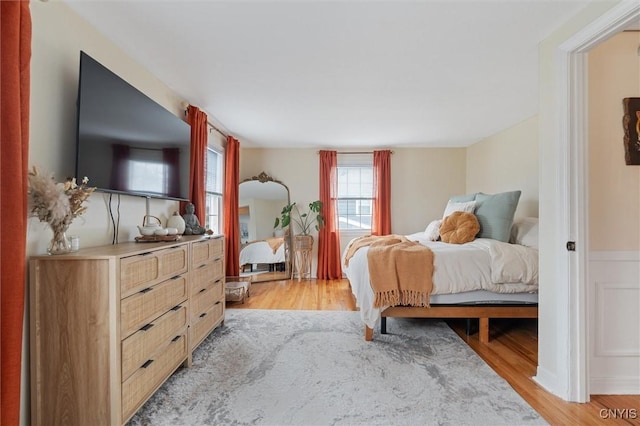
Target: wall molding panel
column 614, row 293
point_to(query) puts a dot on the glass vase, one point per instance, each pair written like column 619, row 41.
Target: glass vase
column 59, row 244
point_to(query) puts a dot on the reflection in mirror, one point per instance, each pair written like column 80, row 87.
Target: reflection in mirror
column 264, row 252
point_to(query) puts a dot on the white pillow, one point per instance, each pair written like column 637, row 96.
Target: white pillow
column 432, row 233
column 452, row 206
column 525, row 232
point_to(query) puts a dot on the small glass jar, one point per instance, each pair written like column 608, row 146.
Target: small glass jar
column 75, row 242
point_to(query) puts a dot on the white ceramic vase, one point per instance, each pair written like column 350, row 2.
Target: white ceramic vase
column 176, row 221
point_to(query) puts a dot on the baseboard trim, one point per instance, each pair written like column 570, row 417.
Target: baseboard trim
column 549, row 382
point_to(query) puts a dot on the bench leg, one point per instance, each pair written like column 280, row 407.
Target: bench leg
column 368, row 333
column 483, row 332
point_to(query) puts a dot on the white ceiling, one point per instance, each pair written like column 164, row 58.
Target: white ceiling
column 343, row 74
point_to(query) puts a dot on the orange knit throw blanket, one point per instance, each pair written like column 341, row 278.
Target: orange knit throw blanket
column 400, row 270
column 274, row 243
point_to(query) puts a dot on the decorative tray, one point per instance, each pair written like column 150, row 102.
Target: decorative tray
column 157, row 238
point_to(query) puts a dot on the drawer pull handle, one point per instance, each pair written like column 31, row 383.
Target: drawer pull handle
column 175, row 308
column 146, row 327
column 217, row 281
column 202, row 315
column 202, row 290
column 218, row 259
column 202, row 266
column 175, row 339
column 217, row 303
column 148, row 363
column 146, row 290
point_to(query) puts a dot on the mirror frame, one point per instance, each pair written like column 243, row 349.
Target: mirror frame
column 265, row 178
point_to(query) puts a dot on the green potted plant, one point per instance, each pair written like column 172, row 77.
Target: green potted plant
column 302, row 243
column 305, row 220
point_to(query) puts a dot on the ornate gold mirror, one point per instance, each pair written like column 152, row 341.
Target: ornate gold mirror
column 264, row 251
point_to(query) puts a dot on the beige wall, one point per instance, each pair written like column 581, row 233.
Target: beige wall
column 422, row 180
column 507, row 161
column 58, row 36
column 614, row 187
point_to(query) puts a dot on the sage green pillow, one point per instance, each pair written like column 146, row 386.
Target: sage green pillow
column 463, row 198
column 495, row 214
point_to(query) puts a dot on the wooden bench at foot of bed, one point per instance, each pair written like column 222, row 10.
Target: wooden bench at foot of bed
column 483, row 313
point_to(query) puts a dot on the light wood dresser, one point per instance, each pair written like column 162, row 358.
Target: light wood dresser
column 110, row 324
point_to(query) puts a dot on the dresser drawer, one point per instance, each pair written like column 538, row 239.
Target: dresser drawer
column 202, row 325
column 142, row 271
column 144, row 381
column 206, row 250
column 140, row 346
column 148, row 304
column 205, row 276
column 201, row 302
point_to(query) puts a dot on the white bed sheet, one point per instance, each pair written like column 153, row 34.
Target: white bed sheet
column 261, row 252
column 482, row 264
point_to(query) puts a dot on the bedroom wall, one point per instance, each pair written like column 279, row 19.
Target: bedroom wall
column 614, row 228
column 614, row 187
column 58, row 36
column 507, row 161
column 422, row 180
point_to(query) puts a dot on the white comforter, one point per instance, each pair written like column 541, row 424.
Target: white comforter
column 482, row 264
column 261, row 252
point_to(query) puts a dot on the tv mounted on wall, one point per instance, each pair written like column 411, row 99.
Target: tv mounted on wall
column 126, row 142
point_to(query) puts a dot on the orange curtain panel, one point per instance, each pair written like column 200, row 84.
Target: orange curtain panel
column 381, row 216
column 14, row 163
column 197, row 119
column 231, row 225
column 328, row 238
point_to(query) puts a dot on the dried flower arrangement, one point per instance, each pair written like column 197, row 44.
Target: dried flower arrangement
column 56, row 203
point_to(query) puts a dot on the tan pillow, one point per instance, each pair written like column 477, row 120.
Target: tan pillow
column 459, row 228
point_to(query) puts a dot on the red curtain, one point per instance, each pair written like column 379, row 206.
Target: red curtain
column 15, row 68
column 199, row 142
column 231, row 225
column 381, row 215
column 328, row 237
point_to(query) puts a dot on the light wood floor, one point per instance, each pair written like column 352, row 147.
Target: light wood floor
column 512, row 351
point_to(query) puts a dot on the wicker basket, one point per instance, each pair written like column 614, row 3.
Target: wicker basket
column 237, row 288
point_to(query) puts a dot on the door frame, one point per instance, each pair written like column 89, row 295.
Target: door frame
column 573, row 193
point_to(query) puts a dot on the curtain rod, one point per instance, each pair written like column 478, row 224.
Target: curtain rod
column 217, row 130
column 355, row 152
column 186, row 111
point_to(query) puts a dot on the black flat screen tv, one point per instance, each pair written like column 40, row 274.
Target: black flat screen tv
column 126, row 142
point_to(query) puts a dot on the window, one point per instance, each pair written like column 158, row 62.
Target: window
column 354, row 203
column 213, row 188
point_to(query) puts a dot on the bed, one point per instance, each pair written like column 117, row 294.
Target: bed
column 484, row 278
column 271, row 251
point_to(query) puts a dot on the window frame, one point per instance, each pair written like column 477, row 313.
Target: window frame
column 211, row 196
column 354, row 161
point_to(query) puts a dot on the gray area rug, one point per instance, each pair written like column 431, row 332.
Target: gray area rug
column 271, row 367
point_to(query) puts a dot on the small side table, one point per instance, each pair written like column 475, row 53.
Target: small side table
column 302, row 248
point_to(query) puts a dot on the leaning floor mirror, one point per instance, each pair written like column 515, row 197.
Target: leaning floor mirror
column 264, row 251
